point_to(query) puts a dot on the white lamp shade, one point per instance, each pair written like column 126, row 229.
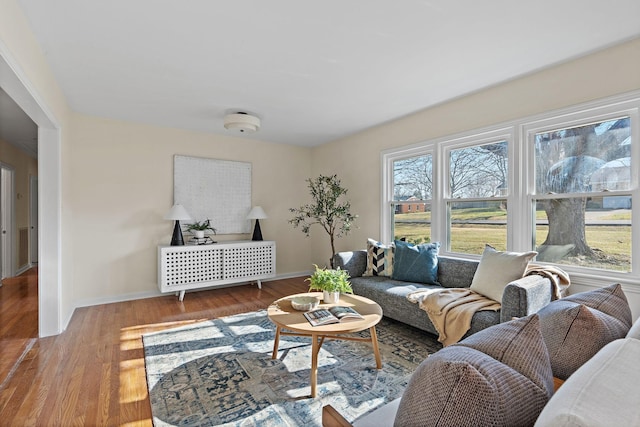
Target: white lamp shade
column 178, row 212
column 257, row 213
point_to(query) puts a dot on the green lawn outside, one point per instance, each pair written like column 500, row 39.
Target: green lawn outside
column 483, row 213
column 611, row 243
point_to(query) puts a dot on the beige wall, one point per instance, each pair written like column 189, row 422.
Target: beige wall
column 122, row 185
column 22, row 45
column 24, row 167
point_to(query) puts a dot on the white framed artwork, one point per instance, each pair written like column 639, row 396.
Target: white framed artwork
column 218, row 190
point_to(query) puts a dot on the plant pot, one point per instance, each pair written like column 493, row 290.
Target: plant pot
column 330, row 297
column 199, row 234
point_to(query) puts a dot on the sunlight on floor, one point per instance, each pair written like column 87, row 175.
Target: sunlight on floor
column 133, row 381
column 140, row 423
column 247, row 329
column 133, row 384
column 137, row 330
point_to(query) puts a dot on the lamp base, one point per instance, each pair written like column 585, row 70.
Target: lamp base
column 257, row 233
column 177, row 239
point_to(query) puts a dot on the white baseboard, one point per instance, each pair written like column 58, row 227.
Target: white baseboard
column 156, row 293
column 117, row 298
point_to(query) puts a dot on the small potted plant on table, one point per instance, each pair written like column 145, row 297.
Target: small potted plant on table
column 199, row 227
column 332, row 282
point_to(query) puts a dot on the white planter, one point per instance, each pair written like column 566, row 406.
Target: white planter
column 199, row 234
column 330, row 297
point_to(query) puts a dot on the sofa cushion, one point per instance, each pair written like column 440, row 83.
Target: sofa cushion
column 497, row 269
column 518, row 343
column 575, row 332
column 379, row 259
column 391, row 295
column 456, row 273
column 603, row 392
column 416, row 263
column 634, row 332
column 499, row 376
column 610, row 300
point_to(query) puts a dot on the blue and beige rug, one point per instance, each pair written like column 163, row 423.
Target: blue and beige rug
column 221, row 372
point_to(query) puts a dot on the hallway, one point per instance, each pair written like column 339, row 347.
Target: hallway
column 18, row 319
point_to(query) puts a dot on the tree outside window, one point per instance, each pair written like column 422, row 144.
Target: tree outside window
column 570, row 194
column 479, row 174
column 583, row 203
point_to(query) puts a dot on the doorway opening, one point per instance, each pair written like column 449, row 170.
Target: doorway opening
column 19, row 87
column 6, row 221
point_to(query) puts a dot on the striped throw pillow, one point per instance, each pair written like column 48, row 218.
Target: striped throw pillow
column 379, row 259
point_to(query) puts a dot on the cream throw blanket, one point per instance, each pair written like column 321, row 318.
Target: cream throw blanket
column 450, row 310
column 559, row 278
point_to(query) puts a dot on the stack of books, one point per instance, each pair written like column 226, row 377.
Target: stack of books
column 206, row 240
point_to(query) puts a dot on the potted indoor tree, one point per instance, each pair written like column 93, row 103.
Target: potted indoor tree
column 332, row 282
column 327, row 209
column 199, row 227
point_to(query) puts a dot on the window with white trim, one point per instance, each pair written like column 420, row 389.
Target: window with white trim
column 582, row 192
column 568, row 177
column 412, row 187
column 476, row 199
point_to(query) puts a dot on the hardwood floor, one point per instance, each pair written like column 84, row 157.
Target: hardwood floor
column 18, row 319
column 93, row 373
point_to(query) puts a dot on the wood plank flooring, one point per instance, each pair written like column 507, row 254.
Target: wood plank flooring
column 18, row 319
column 93, row 373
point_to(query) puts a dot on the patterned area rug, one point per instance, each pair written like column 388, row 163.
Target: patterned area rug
column 220, row 372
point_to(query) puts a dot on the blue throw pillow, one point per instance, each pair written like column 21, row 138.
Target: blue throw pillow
column 416, row 263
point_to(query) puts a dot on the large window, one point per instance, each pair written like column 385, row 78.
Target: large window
column 412, row 192
column 568, row 178
column 582, row 194
column 477, row 204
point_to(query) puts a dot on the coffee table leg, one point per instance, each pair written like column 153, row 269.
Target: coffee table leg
column 376, row 349
column 315, row 349
column 276, row 342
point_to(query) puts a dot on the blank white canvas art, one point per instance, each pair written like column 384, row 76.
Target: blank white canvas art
column 218, row 190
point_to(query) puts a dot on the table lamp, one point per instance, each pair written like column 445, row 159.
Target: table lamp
column 257, row 213
column 177, row 213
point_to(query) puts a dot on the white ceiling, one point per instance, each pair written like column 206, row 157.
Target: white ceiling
column 312, row 71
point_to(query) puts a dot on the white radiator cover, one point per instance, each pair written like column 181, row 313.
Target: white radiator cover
column 187, row 267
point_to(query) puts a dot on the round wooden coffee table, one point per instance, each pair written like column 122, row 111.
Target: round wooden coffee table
column 289, row 321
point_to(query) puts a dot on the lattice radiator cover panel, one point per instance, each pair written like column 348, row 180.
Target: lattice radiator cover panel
column 190, row 267
column 186, row 267
column 251, row 261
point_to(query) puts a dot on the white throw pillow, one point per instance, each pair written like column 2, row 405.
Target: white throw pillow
column 498, row 269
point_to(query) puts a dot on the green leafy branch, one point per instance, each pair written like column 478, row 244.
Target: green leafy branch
column 201, row 226
column 333, row 215
column 330, row 280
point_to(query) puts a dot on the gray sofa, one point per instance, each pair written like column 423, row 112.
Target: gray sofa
column 588, row 337
column 521, row 297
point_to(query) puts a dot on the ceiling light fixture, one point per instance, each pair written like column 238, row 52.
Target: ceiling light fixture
column 241, row 122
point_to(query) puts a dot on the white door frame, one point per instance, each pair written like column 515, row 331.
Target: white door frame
column 33, row 220
column 16, row 84
column 7, row 218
